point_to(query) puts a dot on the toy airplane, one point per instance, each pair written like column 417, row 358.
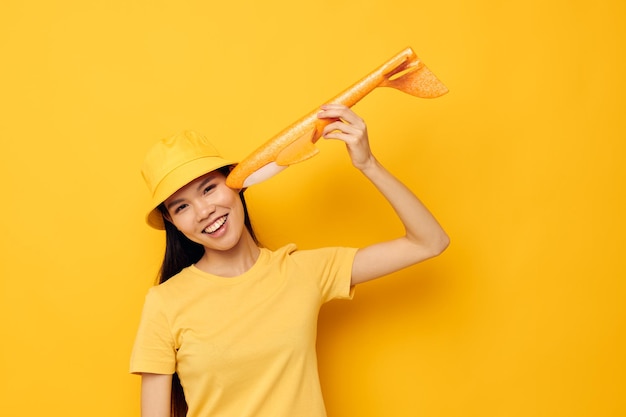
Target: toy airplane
column 296, row 143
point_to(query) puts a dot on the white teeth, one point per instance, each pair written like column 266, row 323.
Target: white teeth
column 215, row 225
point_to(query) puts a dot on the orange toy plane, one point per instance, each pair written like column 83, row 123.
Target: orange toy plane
column 296, row 143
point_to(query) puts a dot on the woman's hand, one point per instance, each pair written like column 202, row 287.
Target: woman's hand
column 347, row 126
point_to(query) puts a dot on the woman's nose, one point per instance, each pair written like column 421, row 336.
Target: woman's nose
column 205, row 210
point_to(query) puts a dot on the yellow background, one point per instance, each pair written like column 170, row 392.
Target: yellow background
column 522, row 162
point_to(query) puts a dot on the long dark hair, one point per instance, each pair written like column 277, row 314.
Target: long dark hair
column 180, row 252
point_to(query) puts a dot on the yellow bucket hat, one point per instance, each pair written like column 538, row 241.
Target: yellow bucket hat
column 173, row 163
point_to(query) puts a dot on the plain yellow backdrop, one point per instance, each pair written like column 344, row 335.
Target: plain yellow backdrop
column 522, row 162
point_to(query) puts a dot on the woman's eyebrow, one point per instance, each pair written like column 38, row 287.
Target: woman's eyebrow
column 173, row 203
column 205, row 182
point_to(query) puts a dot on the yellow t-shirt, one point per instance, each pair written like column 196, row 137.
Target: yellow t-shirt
column 244, row 346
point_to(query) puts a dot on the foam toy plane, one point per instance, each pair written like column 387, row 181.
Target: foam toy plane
column 296, row 143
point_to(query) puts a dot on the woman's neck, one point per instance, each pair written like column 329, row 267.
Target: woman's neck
column 232, row 262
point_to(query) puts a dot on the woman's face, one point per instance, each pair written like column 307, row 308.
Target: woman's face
column 208, row 212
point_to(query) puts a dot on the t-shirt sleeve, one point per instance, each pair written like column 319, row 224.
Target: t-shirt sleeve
column 154, row 350
column 338, row 285
column 333, row 269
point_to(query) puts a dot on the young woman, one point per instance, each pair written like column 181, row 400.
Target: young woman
column 234, row 323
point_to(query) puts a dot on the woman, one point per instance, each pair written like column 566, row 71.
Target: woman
column 236, row 322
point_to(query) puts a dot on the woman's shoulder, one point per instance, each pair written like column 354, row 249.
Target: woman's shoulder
column 173, row 283
column 284, row 250
column 291, row 251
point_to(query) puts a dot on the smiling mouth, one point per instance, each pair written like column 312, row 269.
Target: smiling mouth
column 216, row 225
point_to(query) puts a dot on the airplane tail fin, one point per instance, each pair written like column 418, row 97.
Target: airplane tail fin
column 413, row 77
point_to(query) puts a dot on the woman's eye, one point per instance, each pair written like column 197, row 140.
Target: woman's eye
column 179, row 208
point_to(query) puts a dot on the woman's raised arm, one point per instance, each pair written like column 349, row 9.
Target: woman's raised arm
column 424, row 238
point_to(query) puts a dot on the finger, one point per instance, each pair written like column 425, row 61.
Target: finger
column 339, row 135
column 335, row 110
column 333, row 106
column 338, row 111
column 342, row 127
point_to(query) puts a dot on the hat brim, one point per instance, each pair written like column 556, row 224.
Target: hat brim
column 178, row 178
